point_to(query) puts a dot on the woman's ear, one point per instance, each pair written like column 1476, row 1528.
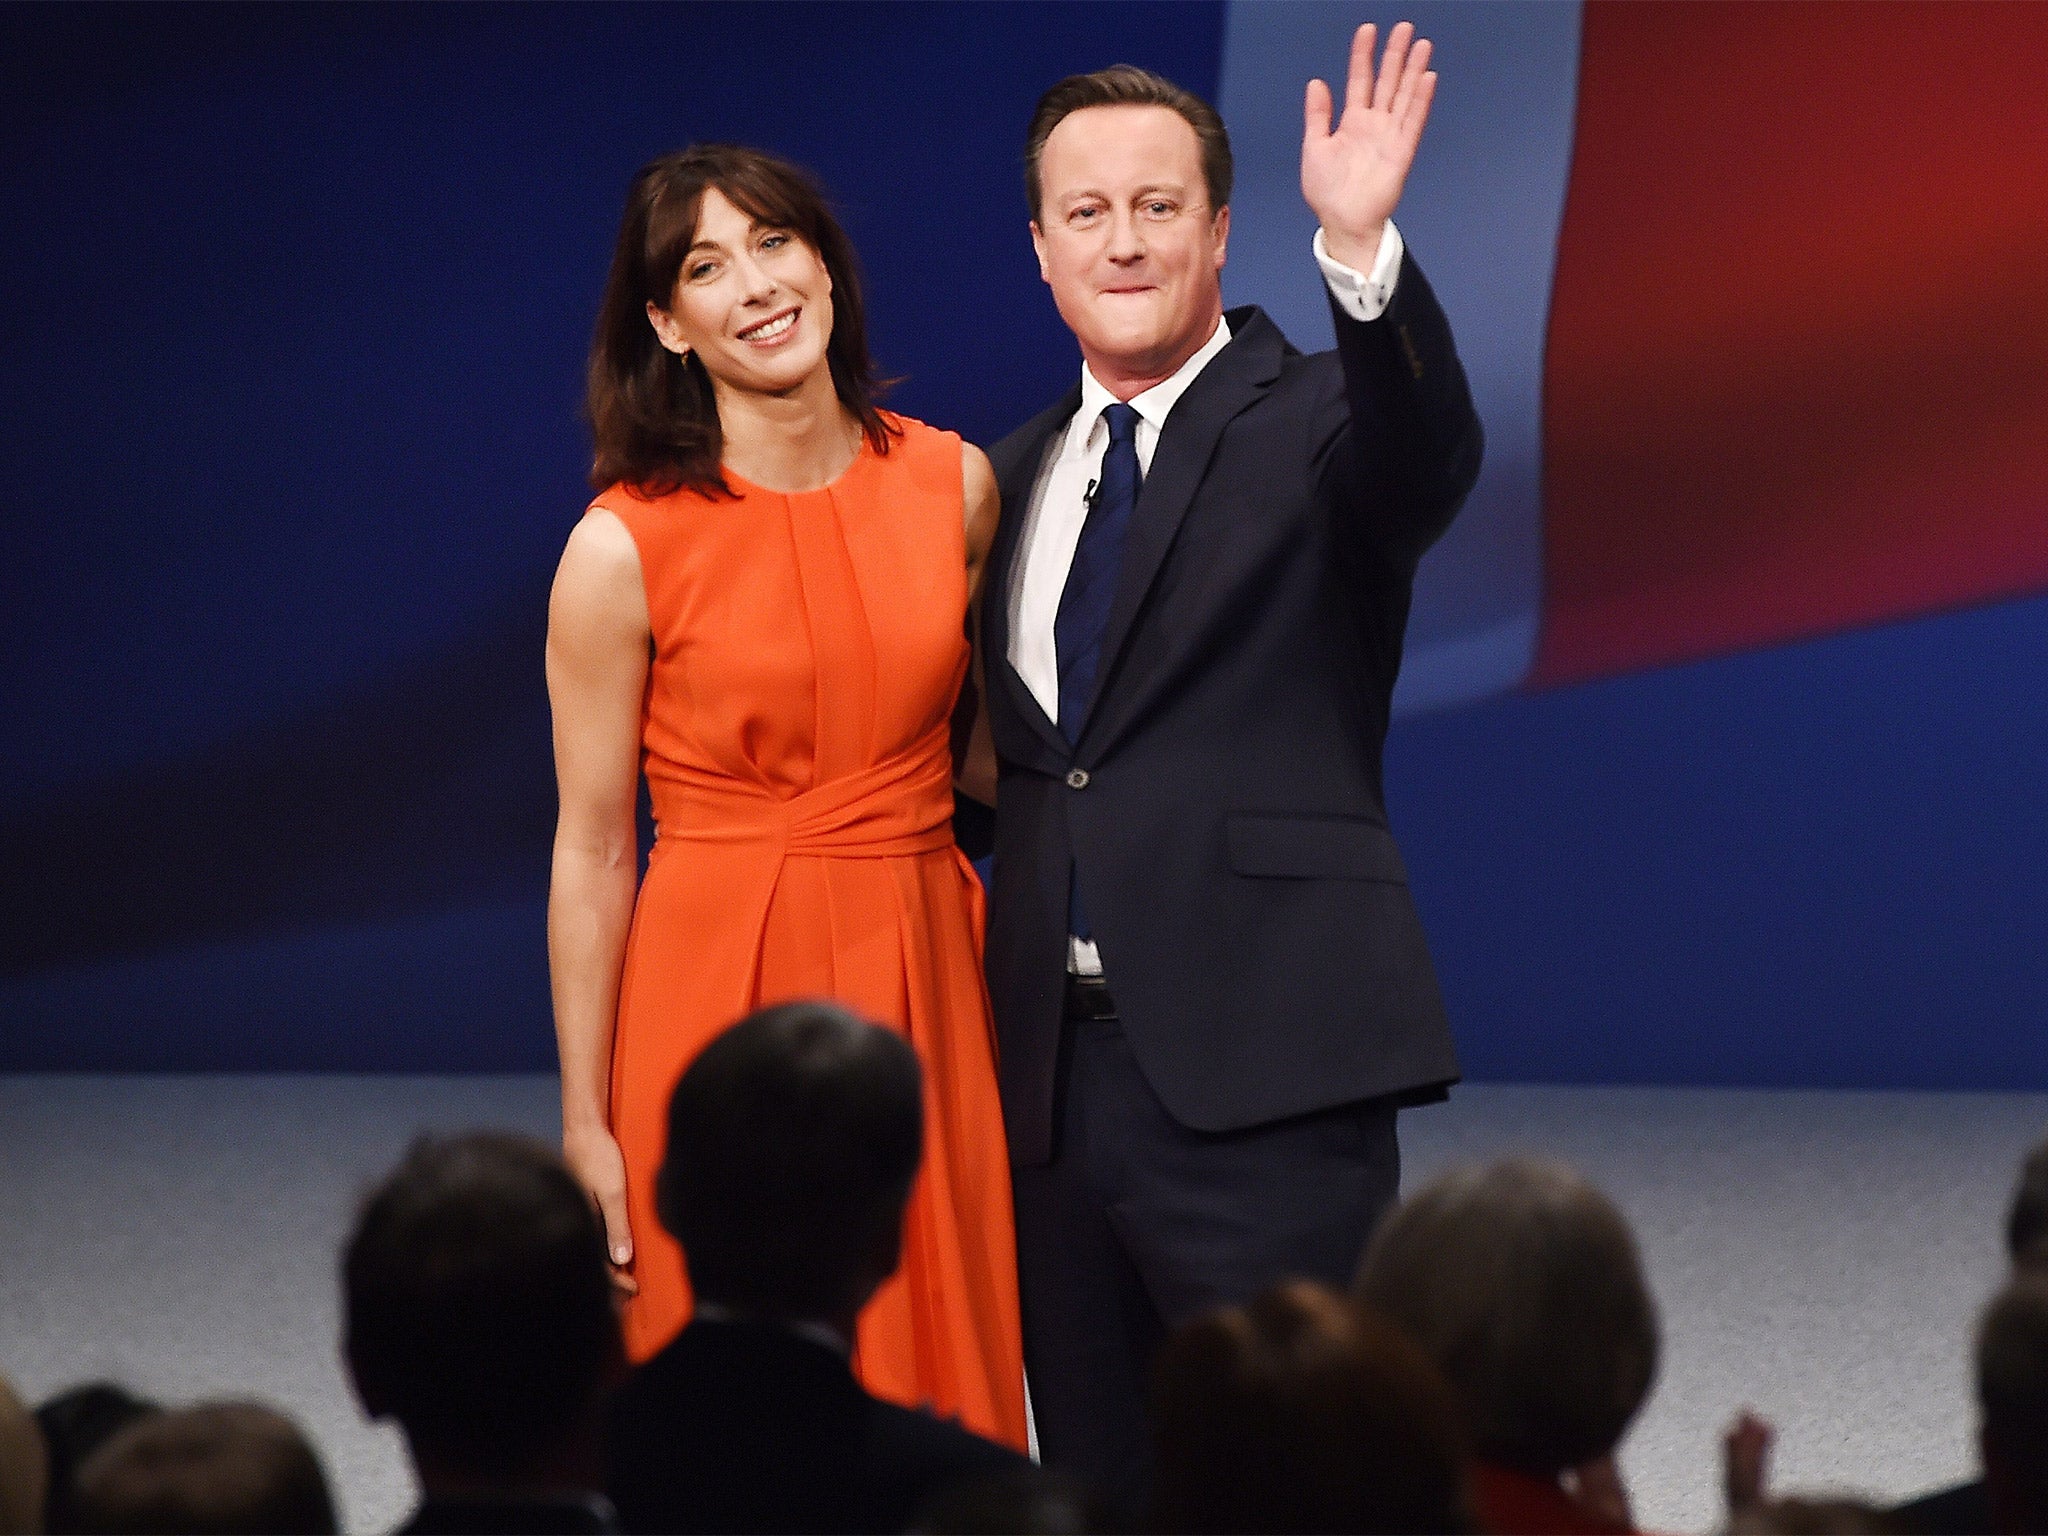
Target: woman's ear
column 666, row 330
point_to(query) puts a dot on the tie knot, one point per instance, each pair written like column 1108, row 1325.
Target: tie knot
column 1123, row 422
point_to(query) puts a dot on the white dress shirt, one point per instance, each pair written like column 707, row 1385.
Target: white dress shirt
column 1059, row 501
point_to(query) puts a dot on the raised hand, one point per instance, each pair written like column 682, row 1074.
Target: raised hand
column 1352, row 175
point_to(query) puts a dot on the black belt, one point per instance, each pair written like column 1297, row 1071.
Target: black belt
column 1088, row 998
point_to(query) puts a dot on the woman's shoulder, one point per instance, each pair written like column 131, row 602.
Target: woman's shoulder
column 907, row 432
column 654, row 516
column 931, row 455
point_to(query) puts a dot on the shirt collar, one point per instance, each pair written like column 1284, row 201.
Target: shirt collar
column 1154, row 405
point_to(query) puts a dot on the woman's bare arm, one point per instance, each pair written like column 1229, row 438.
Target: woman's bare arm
column 977, row 772
column 597, row 660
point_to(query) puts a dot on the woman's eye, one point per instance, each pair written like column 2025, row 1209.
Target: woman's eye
column 773, row 242
column 702, row 269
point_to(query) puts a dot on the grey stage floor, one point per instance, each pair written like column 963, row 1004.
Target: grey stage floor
column 1818, row 1256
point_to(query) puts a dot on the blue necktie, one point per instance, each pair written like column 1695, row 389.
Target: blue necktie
column 1083, row 617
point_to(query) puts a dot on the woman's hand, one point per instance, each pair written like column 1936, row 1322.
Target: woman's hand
column 594, row 1158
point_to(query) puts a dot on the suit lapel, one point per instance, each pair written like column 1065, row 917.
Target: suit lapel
column 1016, row 478
column 1236, row 377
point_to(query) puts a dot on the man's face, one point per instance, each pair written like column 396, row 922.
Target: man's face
column 1127, row 240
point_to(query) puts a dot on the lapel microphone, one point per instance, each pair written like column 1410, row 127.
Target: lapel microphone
column 1090, row 496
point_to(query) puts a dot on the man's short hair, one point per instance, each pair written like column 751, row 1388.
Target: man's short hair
column 477, row 1303
column 2026, row 1224
column 792, row 1142
column 1522, row 1282
column 1303, row 1411
column 1126, row 85
column 214, row 1467
column 2012, row 1394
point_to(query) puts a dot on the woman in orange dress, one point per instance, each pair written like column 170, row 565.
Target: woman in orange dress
column 764, row 611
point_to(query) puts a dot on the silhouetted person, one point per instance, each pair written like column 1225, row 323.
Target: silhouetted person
column 1966, row 1508
column 214, row 1469
column 1303, row 1411
column 792, row 1142
column 1522, row 1283
column 477, row 1312
column 75, row 1423
column 2012, row 1396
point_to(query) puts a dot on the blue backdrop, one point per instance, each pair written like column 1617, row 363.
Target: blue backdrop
column 297, row 303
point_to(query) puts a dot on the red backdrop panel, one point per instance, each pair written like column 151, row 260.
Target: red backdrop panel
column 1797, row 373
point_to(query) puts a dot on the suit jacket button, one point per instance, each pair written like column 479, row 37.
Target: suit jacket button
column 1077, row 778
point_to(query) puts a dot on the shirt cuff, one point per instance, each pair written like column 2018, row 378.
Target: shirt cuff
column 1363, row 295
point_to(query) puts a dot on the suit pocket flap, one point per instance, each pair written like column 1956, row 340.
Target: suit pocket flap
column 1313, row 848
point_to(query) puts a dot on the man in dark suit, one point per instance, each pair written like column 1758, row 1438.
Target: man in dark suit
column 793, row 1139
column 1211, row 987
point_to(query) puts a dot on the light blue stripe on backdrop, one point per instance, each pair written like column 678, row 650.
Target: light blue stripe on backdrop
column 1481, row 214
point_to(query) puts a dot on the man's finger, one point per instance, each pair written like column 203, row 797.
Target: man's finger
column 1411, row 77
column 1390, row 66
column 1417, row 112
column 1315, row 112
column 1358, row 84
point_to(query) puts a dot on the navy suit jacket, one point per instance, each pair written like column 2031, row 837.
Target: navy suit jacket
column 1223, row 810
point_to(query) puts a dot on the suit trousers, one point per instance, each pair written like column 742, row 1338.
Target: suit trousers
column 1139, row 1223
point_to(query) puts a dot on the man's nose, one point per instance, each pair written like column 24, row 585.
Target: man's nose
column 1126, row 240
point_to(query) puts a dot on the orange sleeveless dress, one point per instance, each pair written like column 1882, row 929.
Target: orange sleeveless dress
column 808, row 652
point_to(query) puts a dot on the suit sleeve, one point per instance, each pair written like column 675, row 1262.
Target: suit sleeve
column 1404, row 448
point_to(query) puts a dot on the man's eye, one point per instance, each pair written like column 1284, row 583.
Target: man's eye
column 1083, row 215
column 1159, row 210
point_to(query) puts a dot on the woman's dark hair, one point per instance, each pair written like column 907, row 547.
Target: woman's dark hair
column 652, row 412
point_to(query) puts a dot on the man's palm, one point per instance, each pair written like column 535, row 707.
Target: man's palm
column 1352, row 176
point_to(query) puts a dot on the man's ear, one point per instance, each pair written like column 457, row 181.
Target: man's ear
column 666, row 329
column 1038, row 245
column 1222, row 228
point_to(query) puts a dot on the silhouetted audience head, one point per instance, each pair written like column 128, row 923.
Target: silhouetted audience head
column 792, row 1142
column 75, row 1423
column 2012, row 1396
column 1522, row 1282
column 2026, row 1224
column 478, row 1313
column 218, row 1468
column 24, row 1466
column 1303, row 1411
